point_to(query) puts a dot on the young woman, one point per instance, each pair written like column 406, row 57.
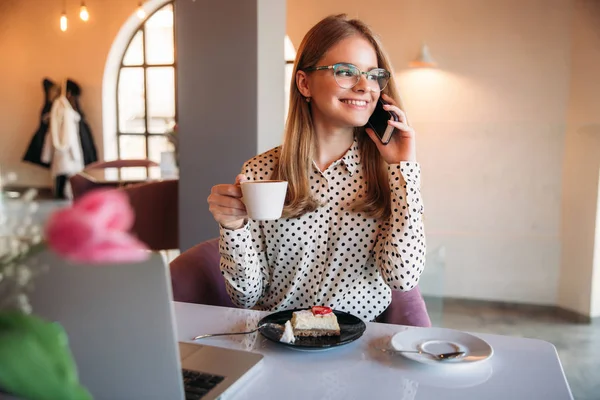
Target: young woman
column 352, row 227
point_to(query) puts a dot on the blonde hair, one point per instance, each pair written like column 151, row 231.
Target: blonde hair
column 299, row 141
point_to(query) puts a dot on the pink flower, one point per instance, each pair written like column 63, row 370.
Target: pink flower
column 95, row 230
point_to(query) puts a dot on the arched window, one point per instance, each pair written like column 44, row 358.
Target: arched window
column 139, row 88
column 146, row 99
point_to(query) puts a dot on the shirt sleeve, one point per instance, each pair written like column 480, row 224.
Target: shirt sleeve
column 243, row 265
column 401, row 246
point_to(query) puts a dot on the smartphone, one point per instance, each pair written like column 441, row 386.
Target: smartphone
column 379, row 122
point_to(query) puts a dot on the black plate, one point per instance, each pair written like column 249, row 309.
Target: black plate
column 351, row 328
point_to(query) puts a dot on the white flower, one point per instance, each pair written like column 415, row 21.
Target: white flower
column 27, row 221
column 23, row 303
column 14, row 247
column 34, row 206
column 21, row 231
column 18, row 232
column 23, row 275
column 24, row 247
column 36, row 238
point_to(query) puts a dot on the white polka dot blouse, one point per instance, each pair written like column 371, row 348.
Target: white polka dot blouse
column 331, row 256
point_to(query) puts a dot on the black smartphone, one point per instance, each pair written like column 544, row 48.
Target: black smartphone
column 379, row 122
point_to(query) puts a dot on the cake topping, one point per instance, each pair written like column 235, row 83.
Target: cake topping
column 321, row 310
column 288, row 334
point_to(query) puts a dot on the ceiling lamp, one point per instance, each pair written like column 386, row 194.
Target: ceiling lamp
column 424, row 59
column 140, row 11
column 83, row 12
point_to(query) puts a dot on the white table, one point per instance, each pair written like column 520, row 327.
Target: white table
column 519, row 369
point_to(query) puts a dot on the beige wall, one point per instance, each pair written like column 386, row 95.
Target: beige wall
column 491, row 126
column 32, row 47
column 580, row 270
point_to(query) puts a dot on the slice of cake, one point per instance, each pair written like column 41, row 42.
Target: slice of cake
column 318, row 321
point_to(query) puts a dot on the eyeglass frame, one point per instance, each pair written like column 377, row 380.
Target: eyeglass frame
column 332, row 67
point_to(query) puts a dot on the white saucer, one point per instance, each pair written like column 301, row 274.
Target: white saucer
column 441, row 340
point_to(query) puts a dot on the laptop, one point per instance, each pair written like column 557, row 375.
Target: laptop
column 121, row 327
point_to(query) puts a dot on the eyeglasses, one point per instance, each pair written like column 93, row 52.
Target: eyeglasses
column 347, row 76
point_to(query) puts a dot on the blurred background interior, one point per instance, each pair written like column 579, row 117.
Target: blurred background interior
column 504, row 96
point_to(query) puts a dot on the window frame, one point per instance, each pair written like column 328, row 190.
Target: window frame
column 145, row 66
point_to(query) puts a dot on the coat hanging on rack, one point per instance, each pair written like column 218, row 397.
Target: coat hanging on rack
column 34, row 150
column 70, row 145
column 62, row 149
column 88, row 146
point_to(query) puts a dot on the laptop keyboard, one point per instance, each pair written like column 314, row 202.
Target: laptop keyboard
column 198, row 384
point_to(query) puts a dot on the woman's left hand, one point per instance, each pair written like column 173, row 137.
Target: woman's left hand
column 402, row 145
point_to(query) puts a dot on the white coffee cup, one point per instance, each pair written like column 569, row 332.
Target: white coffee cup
column 264, row 199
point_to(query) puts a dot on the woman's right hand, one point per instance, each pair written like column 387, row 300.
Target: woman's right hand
column 226, row 205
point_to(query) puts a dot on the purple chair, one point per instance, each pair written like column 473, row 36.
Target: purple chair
column 406, row 308
column 156, row 208
column 196, row 278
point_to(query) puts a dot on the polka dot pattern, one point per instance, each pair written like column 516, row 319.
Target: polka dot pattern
column 331, row 256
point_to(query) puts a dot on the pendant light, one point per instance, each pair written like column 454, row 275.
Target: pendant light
column 140, row 11
column 64, row 24
column 424, row 59
column 83, row 12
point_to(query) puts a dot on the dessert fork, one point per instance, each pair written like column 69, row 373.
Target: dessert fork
column 239, row 333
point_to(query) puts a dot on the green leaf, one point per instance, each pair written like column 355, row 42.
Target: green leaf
column 35, row 360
